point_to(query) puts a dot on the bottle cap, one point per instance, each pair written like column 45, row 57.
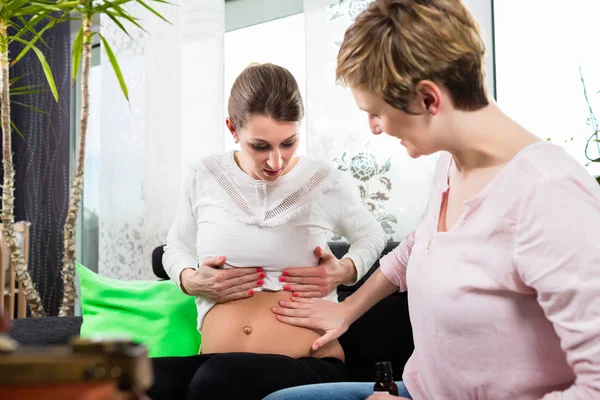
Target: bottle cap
column 383, row 367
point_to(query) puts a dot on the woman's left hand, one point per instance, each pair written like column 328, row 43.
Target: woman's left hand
column 319, row 281
column 385, row 396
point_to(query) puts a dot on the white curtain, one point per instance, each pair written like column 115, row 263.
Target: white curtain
column 175, row 78
column 392, row 185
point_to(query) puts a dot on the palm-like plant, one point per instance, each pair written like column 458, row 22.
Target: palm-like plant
column 118, row 12
column 19, row 21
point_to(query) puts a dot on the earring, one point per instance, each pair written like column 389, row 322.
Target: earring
column 237, row 140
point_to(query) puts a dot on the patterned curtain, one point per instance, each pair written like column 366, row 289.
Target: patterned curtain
column 42, row 160
column 392, row 186
column 175, row 78
column 176, row 112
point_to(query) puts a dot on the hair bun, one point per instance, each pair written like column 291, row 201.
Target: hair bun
column 254, row 64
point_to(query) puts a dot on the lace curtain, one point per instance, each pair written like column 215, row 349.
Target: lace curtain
column 176, row 114
column 394, row 187
column 175, row 78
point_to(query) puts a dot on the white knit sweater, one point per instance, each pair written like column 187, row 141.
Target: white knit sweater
column 273, row 225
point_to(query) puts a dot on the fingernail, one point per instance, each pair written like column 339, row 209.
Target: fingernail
column 285, row 273
column 286, row 287
column 259, row 270
column 259, row 282
column 251, row 292
column 221, row 258
column 281, row 279
column 262, row 276
column 295, row 294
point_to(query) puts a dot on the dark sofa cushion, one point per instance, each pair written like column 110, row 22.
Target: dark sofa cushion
column 45, row 331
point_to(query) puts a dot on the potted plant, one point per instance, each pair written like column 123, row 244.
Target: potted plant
column 82, row 53
column 20, row 21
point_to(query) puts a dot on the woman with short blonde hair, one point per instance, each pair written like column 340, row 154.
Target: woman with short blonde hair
column 503, row 270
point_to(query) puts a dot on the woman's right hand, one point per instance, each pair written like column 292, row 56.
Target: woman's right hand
column 324, row 315
column 221, row 285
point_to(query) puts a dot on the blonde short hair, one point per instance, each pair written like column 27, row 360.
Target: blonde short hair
column 394, row 44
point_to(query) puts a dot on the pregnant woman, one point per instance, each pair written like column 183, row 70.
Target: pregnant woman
column 252, row 230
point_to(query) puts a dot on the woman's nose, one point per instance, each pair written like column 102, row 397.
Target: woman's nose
column 274, row 161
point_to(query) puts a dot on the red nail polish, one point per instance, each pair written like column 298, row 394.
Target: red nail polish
column 251, row 292
column 259, row 270
column 286, row 287
column 262, row 276
column 295, row 294
column 285, row 273
column 259, row 282
column 281, row 279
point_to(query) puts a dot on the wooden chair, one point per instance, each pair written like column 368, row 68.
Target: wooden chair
column 12, row 291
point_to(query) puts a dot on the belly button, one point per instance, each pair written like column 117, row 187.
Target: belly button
column 248, row 330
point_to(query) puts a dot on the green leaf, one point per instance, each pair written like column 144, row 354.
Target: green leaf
column 28, row 26
column 121, row 12
column 32, row 42
column 35, row 10
column 115, row 65
column 14, row 126
column 15, row 4
column 153, row 11
column 30, row 107
column 76, row 54
column 45, row 67
column 116, row 21
column 110, row 4
column 25, row 92
column 68, row 5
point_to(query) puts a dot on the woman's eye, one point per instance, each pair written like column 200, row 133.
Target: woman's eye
column 289, row 144
column 260, row 147
column 373, row 116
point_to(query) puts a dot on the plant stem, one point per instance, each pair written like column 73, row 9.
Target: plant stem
column 8, row 198
column 68, row 261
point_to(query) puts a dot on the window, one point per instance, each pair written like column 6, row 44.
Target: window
column 540, row 45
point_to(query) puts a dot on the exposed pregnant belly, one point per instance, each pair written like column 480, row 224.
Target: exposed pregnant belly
column 249, row 325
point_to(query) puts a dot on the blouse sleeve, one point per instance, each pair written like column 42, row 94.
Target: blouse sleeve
column 557, row 253
column 180, row 251
column 353, row 221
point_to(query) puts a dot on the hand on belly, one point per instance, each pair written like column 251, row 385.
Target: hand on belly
column 248, row 325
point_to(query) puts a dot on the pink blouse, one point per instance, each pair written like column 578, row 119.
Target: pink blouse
column 506, row 304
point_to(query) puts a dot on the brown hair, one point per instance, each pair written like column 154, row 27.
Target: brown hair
column 265, row 89
column 394, row 44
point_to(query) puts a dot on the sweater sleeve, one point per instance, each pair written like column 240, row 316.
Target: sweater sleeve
column 366, row 236
column 393, row 265
column 180, row 251
column 557, row 253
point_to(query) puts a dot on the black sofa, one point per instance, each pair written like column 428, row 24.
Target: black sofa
column 383, row 333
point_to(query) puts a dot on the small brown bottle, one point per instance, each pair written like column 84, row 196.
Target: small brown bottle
column 384, row 381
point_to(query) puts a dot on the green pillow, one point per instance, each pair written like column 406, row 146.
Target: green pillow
column 154, row 313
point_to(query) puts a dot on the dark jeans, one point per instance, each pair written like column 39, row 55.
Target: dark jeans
column 244, row 376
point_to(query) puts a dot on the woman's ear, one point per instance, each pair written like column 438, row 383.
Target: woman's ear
column 429, row 97
column 231, row 126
